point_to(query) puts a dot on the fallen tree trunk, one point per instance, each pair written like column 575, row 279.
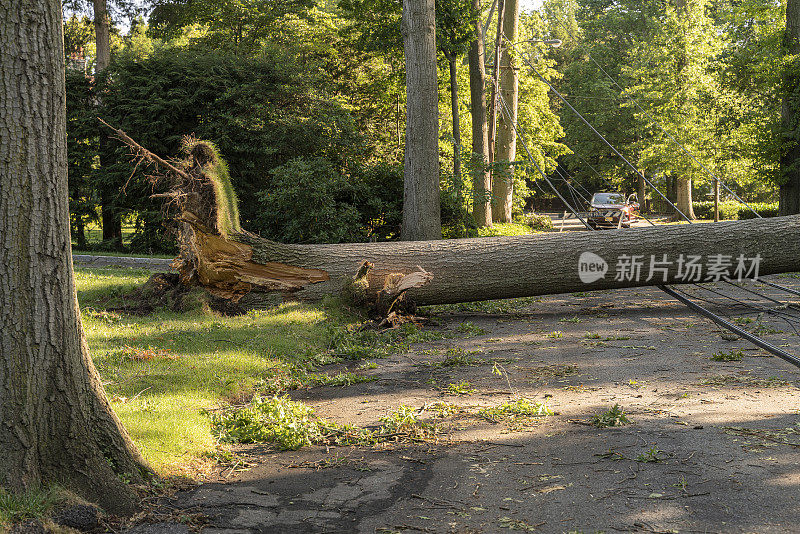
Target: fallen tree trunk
column 505, row 267
column 232, row 263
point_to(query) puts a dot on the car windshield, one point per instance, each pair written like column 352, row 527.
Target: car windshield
column 608, row 198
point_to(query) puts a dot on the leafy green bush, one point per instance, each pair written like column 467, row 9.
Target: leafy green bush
column 765, row 209
column 261, row 111
column 728, row 209
column 312, row 201
column 733, row 209
column 540, row 223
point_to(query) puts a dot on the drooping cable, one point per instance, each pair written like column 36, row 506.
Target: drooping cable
column 591, row 127
column 661, row 127
column 756, row 340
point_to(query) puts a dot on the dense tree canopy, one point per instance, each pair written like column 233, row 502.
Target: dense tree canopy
column 318, row 89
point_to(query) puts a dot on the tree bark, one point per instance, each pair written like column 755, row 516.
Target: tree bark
column 506, row 151
column 498, row 46
column 57, row 425
column 641, row 191
column 790, row 116
column 102, row 35
column 481, row 179
column 421, row 207
column 683, row 188
column 466, row 270
column 457, row 179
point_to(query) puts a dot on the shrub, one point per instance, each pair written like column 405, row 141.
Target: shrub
column 765, row 209
column 311, row 201
column 541, row 223
column 728, row 209
column 733, row 209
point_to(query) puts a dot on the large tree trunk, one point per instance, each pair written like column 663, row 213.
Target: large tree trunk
column 641, row 191
column 684, row 197
column 506, row 151
column 495, row 105
column 57, row 426
column 481, row 179
column 790, row 116
column 232, row 263
column 466, row 270
column 421, row 209
column 457, row 179
column 102, row 35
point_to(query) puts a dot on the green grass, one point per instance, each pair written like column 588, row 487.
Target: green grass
column 163, row 370
column 505, row 229
column 31, row 504
column 76, row 251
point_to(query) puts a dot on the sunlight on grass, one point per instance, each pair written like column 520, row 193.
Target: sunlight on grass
column 504, row 229
column 160, row 371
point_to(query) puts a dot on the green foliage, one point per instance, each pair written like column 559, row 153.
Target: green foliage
column 235, row 25
column 765, row 209
column 404, row 421
column 614, row 416
column 518, row 407
column 461, row 388
column 78, row 37
column 729, row 356
column 728, row 209
column 733, row 209
column 291, row 425
column 651, row 456
column 287, row 424
column 539, row 223
column 82, row 147
column 709, row 72
column 260, row 112
column 311, row 201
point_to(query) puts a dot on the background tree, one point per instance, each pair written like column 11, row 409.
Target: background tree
column 108, row 192
column 790, row 114
column 421, row 209
column 58, row 426
column 506, row 142
column 674, row 81
column 481, row 178
column 453, row 36
column 238, row 25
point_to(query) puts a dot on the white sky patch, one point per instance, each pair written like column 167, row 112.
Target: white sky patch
column 529, row 5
